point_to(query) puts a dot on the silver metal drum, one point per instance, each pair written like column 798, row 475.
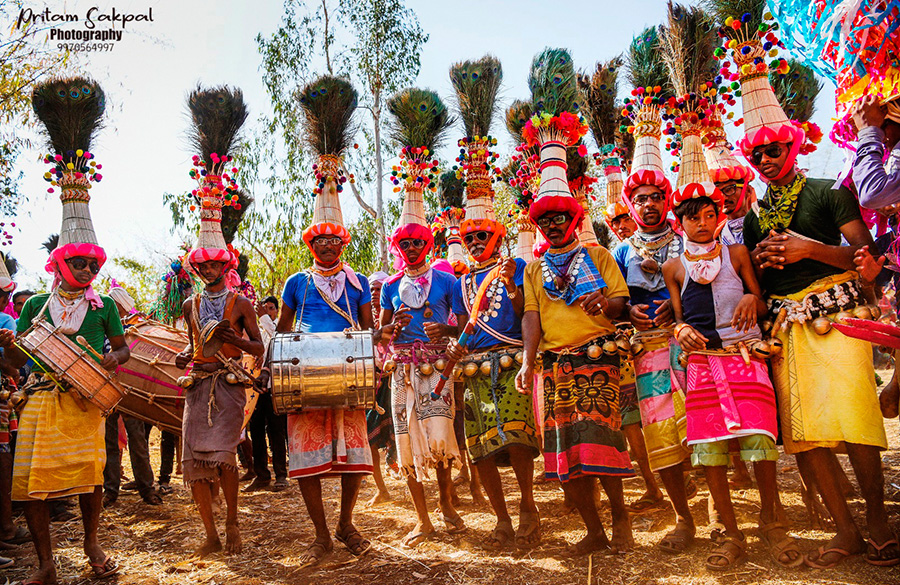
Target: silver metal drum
column 322, row 370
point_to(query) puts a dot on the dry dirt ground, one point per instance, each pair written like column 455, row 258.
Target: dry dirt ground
column 154, row 544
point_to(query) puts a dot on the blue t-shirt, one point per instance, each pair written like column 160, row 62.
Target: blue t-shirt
column 318, row 316
column 439, row 301
column 625, row 254
column 505, row 322
column 7, row 321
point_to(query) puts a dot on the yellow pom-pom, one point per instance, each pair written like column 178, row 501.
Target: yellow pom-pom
column 732, row 44
column 728, row 21
column 70, row 166
column 746, row 68
column 79, row 152
column 47, row 175
column 773, row 53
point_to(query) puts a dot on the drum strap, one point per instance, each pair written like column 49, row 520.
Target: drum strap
column 334, row 307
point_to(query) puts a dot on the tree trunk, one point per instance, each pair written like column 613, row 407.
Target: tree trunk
column 379, row 184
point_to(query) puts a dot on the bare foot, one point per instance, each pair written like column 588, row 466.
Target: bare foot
column 379, row 498
column 233, row 545
column 478, row 498
column 45, row 575
column 622, row 539
column 418, row 534
column 209, row 547
column 587, row 545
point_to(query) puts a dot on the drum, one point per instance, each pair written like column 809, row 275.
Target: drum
column 150, row 374
column 322, row 370
column 74, row 365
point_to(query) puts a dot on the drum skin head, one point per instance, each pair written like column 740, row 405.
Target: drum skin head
column 211, row 345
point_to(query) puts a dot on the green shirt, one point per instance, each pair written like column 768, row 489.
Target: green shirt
column 98, row 324
column 821, row 212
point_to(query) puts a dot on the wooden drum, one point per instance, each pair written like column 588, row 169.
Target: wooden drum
column 322, row 370
column 150, row 374
column 74, row 365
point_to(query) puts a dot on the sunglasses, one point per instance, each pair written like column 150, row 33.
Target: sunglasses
column 558, row 219
column 414, row 243
column 328, row 240
column 771, row 151
column 82, row 263
column 642, row 199
column 479, row 236
column 730, row 189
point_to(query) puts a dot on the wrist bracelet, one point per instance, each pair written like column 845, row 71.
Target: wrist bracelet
column 679, row 328
column 512, row 293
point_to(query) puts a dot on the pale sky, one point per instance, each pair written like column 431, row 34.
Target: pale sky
column 147, row 76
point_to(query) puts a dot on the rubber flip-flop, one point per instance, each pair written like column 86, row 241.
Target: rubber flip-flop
column 878, row 561
column 815, row 564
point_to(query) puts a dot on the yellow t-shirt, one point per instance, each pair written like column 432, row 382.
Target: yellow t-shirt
column 565, row 325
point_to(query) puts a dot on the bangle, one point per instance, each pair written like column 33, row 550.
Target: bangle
column 679, row 328
column 511, row 294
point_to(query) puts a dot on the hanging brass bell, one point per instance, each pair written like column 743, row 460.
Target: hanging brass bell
column 775, row 346
column 766, row 325
column 231, row 378
column 842, row 317
column 470, row 369
column 186, row 381
column 426, row 369
column 389, row 366
column 862, row 312
column 623, row 344
column 440, row 364
column 637, row 348
column 506, row 361
column 876, row 312
column 650, row 266
column 610, row 347
column 683, row 360
column 457, row 371
column 485, row 368
column 520, row 356
column 821, row 325
column 18, row 399
column 4, row 394
column 594, row 351
column 760, row 349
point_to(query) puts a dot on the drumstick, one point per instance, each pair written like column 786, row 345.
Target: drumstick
column 88, row 347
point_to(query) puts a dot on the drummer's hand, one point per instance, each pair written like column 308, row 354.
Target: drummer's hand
column 109, row 362
column 226, row 334
column 525, row 379
column 401, row 317
column 262, row 382
column 437, row 331
column 455, row 351
column 182, row 360
column 594, row 303
column 7, row 338
column 508, row 273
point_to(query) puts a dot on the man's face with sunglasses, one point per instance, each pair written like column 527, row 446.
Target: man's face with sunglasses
column 770, row 158
column 412, row 248
column 650, row 203
column 83, row 268
column 731, row 190
column 476, row 242
column 555, row 225
column 327, row 249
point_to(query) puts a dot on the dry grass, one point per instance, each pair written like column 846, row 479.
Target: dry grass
column 154, row 544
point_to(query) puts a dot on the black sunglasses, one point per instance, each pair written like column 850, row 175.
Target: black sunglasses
column 557, row 219
column 82, row 263
column 480, row 236
column 414, row 243
column 771, row 151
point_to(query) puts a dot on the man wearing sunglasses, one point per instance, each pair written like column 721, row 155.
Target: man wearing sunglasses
column 328, row 297
column 67, row 432
column 739, row 194
column 499, row 421
column 572, row 296
column 660, row 396
column 825, row 381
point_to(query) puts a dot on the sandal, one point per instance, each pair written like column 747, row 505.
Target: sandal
column 501, row 535
column 454, row 525
column 645, row 504
column 315, row 553
column 413, row 540
column 816, row 564
column 104, row 569
column 5, row 562
column 780, row 548
column 690, row 488
column 355, row 542
column 21, row 536
column 732, row 550
column 675, row 542
column 875, row 553
column 529, row 533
